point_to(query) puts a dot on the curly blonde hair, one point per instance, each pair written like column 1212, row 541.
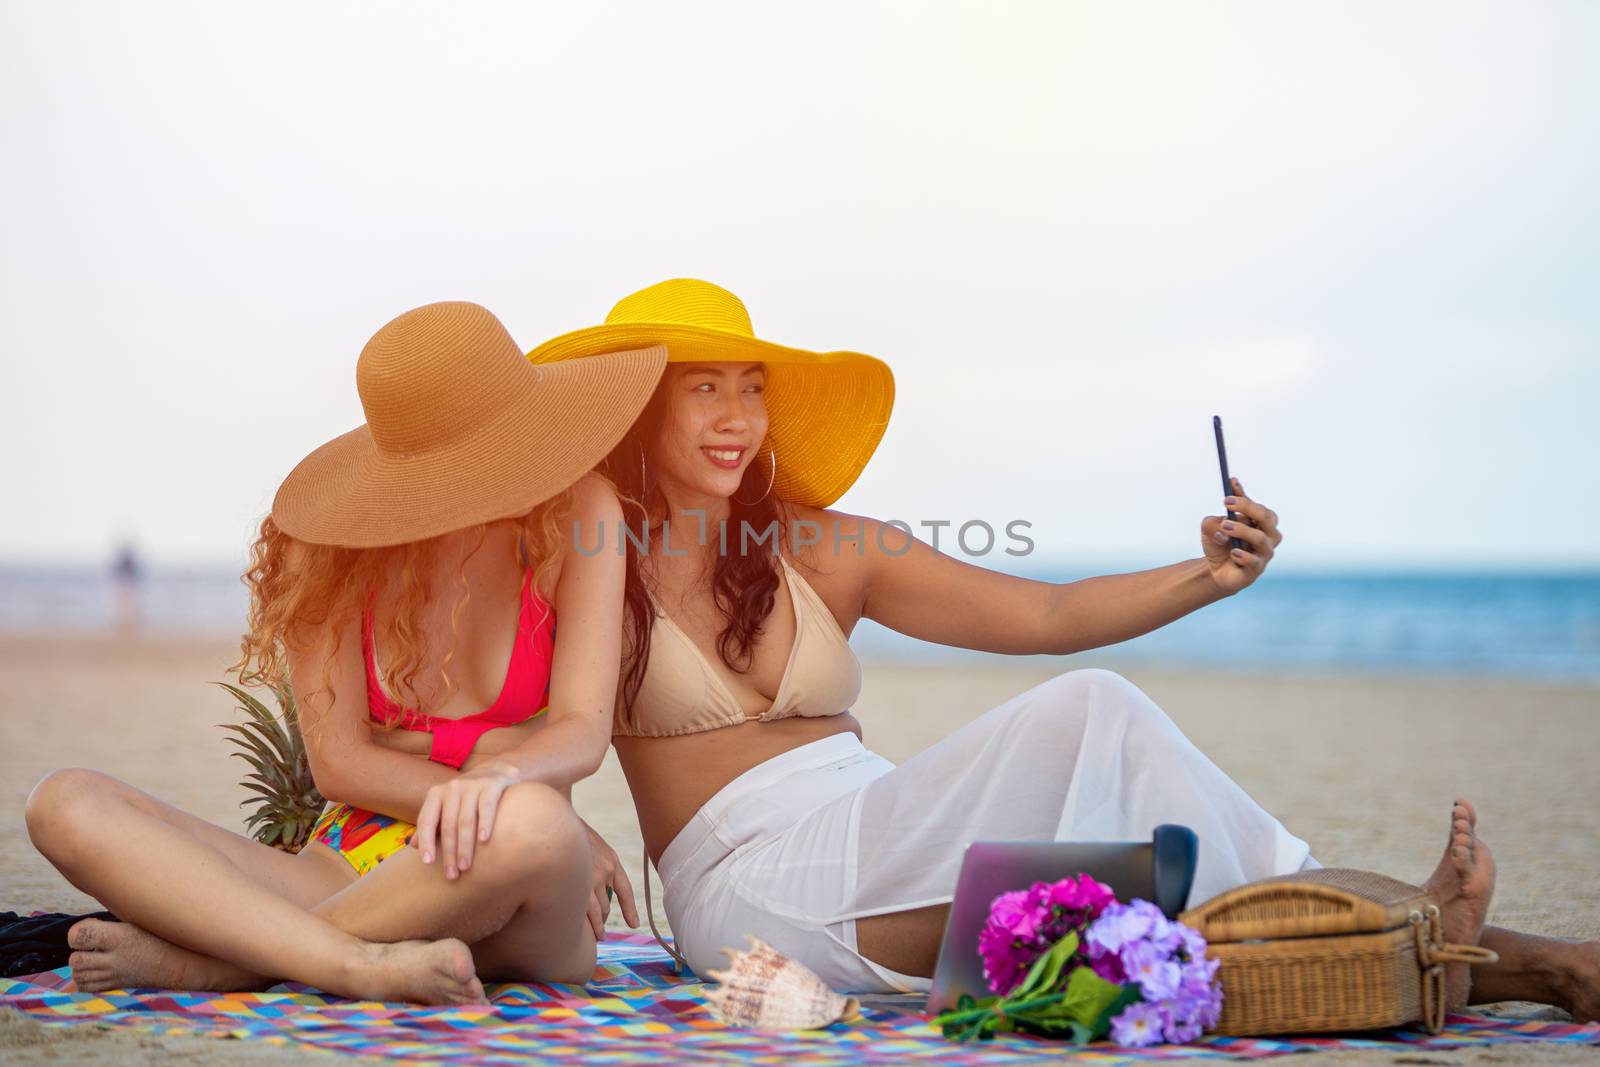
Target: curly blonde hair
column 300, row 592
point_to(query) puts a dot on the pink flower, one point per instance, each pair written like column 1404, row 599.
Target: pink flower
column 1109, row 967
column 1026, row 923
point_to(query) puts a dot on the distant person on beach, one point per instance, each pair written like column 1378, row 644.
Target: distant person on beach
column 758, row 803
column 412, row 572
column 126, row 576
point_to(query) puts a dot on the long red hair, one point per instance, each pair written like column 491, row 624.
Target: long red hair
column 300, row 593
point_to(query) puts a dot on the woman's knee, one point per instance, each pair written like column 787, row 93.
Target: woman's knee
column 574, row 968
column 63, row 799
column 536, row 831
column 1098, row 693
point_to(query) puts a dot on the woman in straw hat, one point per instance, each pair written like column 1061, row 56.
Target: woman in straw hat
column 758, row 803
column 411, row 572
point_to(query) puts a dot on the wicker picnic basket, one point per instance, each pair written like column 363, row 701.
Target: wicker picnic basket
column 1328, row 950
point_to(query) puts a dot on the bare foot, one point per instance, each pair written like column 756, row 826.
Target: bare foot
column 420, row 972
column 1463, row 884
column 119, row 955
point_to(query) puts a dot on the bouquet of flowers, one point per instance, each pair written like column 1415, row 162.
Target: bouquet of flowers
column 1065, row 959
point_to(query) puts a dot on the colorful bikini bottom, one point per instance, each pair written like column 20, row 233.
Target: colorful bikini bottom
column 364, row 838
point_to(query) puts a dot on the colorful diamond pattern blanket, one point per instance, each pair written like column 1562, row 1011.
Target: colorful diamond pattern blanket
column 637, row 1010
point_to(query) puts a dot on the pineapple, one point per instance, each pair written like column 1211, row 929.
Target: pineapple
column 287, row 802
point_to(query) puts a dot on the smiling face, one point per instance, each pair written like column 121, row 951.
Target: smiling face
column 714, row 422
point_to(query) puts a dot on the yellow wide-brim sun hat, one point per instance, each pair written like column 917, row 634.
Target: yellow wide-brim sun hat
column 827, row 411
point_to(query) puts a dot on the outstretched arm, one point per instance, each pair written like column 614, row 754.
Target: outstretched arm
column 909, row 587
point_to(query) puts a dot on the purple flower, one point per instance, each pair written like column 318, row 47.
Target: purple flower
column 1166, row 936
column 1202, row 994
column 1194, row 946
column 1148, row 964
column 1180, row 1021
column 1167, row 962
column 1202, row 971
column 1118, row 925
column 1210, row 1008
column 1147, row 909
column 1138, row 1025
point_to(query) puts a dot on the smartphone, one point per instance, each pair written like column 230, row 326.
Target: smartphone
column 1222, row 461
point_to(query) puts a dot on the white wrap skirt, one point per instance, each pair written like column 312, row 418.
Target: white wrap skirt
column 797, row 849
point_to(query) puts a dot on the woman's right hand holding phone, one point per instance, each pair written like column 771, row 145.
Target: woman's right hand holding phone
column 1255, row 524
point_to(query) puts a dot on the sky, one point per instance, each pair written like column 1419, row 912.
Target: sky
column 1365, row 234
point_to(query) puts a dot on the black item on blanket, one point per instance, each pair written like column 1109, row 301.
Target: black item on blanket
column 32, row 944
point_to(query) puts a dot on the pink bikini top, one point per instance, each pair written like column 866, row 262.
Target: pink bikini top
column 524, row 694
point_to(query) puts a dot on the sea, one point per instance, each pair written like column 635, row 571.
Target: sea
column 1543, row 626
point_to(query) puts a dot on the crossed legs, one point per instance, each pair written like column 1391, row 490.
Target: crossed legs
column 222, row 911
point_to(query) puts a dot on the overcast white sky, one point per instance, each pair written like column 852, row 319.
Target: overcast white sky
column 1366, row 234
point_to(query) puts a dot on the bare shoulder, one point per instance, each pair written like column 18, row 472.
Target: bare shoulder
column 830, row 539
column 829, row 547
column 591, row 515
column 594, row 499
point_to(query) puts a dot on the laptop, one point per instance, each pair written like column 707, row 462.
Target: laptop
column 1160, row 870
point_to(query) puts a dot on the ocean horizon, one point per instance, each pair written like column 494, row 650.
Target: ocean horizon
column 1528, row 625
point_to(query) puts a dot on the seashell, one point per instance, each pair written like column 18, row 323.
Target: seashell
column 766, row 990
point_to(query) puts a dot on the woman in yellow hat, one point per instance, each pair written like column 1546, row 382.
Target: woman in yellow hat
column 761, row 808
column 412, row 572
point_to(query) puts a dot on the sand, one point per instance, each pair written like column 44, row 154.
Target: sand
column 1363, row 768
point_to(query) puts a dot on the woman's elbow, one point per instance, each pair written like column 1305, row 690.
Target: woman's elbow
column 591, row 754
column 591, row 759
column 328, row 784
column 330, row 776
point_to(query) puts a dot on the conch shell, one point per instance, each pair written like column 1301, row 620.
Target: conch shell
column 766, row 990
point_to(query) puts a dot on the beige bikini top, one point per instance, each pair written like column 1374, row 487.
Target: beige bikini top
column 684, row 693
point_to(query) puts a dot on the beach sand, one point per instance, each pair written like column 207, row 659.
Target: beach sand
column 1363, row 768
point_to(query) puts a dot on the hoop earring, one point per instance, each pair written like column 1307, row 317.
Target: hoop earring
column 774, row 478
column 644, row 488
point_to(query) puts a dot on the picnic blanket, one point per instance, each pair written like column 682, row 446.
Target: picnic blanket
column 637, row 1010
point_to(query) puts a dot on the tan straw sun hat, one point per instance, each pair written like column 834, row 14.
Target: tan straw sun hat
column 460, row 430
column 827, row 410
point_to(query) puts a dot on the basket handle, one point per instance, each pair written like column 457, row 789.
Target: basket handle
column 1433, row 952
column 1435, row 949
column 1444, row 952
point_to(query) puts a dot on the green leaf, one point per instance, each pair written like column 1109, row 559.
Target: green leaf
column 267, row 723
column 284, row 803
column 270, row 794
column 249, row 703
column 251, row 742
column 1056, row 959
column 966, row 1010
column 1102, row 1022
column 1089, row 1000
column 248, row 758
